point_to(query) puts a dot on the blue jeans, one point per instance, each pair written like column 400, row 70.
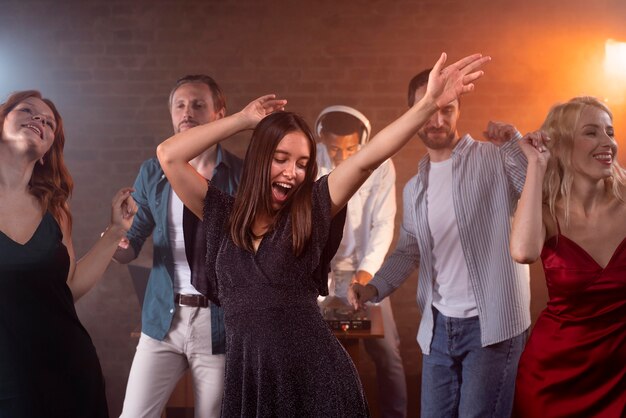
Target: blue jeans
column 460, row 378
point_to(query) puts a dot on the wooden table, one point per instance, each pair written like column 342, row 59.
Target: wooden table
column 350, row 339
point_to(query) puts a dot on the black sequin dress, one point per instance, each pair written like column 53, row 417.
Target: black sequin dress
column 282, row 359
column 48, row 364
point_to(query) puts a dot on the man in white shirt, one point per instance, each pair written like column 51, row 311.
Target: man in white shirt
column 474, row 299
column 368, row 232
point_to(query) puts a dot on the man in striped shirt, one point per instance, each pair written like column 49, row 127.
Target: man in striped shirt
column 473, row 297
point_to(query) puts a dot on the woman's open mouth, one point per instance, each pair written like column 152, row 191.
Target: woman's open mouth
column 280, row 191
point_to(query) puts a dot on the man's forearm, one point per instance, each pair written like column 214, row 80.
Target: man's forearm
column 396, row 269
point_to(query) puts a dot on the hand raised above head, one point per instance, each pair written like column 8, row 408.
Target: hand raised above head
column 448, row 84
column 259, row 108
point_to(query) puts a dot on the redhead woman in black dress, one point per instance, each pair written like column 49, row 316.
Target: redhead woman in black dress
column 48, row 364
column 268, row 249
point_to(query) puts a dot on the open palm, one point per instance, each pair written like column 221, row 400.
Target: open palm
column 448, row 84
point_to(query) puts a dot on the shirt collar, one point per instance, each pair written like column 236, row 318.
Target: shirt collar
column 219, row 157
column 463, row 145
column 461, row 148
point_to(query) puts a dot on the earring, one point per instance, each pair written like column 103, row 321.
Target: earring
column 41, row 161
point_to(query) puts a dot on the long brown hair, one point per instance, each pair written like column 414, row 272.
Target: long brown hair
column 255, row 190
column 51, row 183
column 560, row 125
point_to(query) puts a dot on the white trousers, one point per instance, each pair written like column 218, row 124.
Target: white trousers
column 158, row 365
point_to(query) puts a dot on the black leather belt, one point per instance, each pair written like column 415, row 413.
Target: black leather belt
column 191, row 300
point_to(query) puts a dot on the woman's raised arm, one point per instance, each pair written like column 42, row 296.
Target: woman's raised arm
column 175, row 152
column 85, row 273
column 444, row 86
column 528, row 231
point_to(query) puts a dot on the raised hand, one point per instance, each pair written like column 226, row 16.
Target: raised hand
column 259, row 108
column 533, row 145
column 499, row 133
column 448, row 84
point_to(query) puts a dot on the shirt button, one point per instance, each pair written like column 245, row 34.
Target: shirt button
column 171, row 310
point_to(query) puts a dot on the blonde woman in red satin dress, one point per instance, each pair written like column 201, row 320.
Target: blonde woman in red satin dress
column 572, row 214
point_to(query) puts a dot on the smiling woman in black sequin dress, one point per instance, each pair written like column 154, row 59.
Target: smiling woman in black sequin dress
column 268, row 249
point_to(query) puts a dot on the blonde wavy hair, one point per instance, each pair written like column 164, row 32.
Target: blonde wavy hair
column 560, row 125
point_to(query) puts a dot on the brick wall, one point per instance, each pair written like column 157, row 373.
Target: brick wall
column 109, row 66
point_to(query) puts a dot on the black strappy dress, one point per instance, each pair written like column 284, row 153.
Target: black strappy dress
column 48, row 364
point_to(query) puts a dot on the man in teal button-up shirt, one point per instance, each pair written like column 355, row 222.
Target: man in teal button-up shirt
column 186, row 333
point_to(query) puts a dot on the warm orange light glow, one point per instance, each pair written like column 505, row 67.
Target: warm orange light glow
column 615, row 58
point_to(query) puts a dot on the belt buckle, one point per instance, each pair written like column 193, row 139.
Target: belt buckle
column 180, row 300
